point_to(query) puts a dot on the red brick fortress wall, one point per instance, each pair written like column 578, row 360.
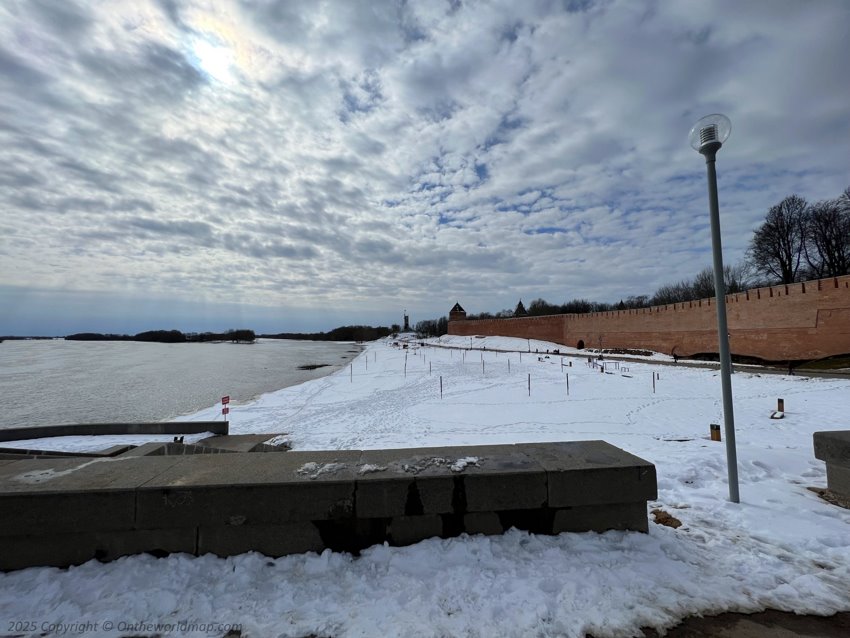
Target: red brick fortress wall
column 801, row 321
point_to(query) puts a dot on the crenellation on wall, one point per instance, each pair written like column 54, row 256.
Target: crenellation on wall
column 800, row 321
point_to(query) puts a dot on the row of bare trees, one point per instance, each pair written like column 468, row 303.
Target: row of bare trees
column 800, row 241
column 797, row 241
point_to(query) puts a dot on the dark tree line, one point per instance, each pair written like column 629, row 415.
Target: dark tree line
column 169, row 336
column 343, row 333
column 432, row 327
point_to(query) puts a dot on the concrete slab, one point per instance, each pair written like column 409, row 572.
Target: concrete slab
column 80, row 474
column 592, row 472
column 271, row 540
column 50, row 496
column 482, row 523
column 240, row 442
column 145, row 449
column 63, row 550
column 256, row 488
column 601, row 518
column 833, row 446
column 507, row 480
column 39, row 514
column 838, row 479
column 455, row 479
column 406, row 530
column 114, row 450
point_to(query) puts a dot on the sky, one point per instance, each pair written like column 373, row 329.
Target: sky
column 295, row 166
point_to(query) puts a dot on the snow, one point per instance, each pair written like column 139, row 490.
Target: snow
column 782, row 547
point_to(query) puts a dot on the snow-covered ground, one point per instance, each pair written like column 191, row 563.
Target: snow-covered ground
column 782, row 547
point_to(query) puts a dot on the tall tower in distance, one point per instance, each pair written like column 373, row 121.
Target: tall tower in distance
column 406, row 322
column 457, row 313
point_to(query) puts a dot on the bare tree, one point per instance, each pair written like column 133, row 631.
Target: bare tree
column 777, row 245
column 735, row 279
column 673, row 293
column 827, row 247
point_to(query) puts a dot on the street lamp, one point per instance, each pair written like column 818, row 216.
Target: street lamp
column 706, row 137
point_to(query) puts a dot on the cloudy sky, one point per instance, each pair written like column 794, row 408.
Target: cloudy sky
column 298, row 165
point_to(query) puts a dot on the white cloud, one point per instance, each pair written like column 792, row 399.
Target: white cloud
column 363, row 157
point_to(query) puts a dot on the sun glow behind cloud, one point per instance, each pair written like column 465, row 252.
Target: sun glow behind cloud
column 214, row 59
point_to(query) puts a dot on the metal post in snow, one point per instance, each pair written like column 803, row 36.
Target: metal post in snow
column 441, row 386
column 429, row 368
column 351, row 372
column 509, row 366
column 529, row 384
column 568, row 384
column 653, row 383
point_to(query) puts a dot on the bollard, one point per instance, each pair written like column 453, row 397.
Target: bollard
column 715, row 431
column 780, row 405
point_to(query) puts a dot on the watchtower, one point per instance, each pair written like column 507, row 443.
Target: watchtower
column 457, row 313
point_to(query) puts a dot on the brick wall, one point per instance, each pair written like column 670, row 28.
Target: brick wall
column 799, row 321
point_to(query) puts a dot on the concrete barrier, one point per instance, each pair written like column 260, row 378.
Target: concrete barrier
column 66, row 511
column 834, row 449
column 86, row 429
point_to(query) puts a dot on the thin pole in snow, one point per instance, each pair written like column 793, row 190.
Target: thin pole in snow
column 482, row 366
column 568, row 384
column 351, row 371
column 509, row 366
column 429, row 368
column 529, row 384
column 441, row 386
column 653, row 383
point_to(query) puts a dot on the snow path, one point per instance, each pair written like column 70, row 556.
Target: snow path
column 781, row 548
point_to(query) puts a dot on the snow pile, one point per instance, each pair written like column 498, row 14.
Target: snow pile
column 782, row 547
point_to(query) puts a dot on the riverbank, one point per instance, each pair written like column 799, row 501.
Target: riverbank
column 781, row 548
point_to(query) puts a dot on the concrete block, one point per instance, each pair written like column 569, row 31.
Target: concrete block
column 600, row 518
column 239, row 442
column 506, row 490
column 387, row 497
column 49, row 496
column 257, row 488
column 272, row 540
column 833, row 447
column 155, row 448
column 499, row 478
column 63, row 550
column 40, row 514
column 114, row 450
column 838, row 479
column 441, row 494
column 482, row 523
column 66, row 474
column 407, row 530
column 91, row 429
column 592, row 472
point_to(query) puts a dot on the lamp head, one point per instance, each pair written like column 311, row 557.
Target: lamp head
column 709, row 133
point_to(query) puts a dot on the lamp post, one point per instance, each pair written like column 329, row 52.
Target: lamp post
column 706, row 137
